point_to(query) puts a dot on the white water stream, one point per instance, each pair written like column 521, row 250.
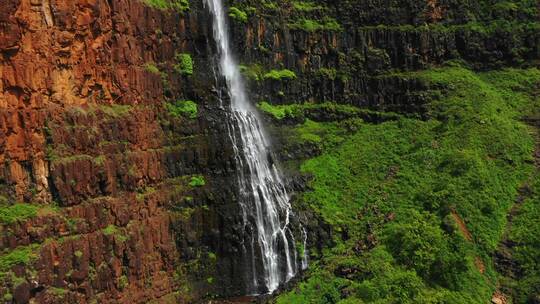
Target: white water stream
column 263, row 197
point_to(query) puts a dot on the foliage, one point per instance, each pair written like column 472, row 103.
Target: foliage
column 238, row 14
column 309, row 25
column 184, row 64
column 114, row 230
column 306, row 6
column 280, row 75
column 279, row 112
column 152, row 68
column 197, row 181
column 177, row 5
column 186, row 108
column 397, row 187
column 253, row 71
column 123, row 282
column 17, row 212
column 19, row 256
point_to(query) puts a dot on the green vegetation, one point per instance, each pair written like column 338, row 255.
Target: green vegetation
column 197, row 181
column 184, row 65
column 280, row 75
column 177, row 5
column 393, row 193
column 152, row 68
column 238, row 14
column 10, row 214
column 308, row 25
column 19, row 256
column 186, row 108
column 123, row 282
column 305, row 6
column 279, row 112
column 525, row 233
column 17, row 212
column 253, row 72
column 59, row 292
column 114, row 230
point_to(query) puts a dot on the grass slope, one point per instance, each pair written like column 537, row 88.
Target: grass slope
column 393, row 191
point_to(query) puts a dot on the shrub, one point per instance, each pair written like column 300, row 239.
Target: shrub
column 186, row 108
column 197, row 181
column 17, row 212
column 184, row 64
column 177, row 5
column 253, row 71
column 308, row 25
column 237, row 14
column 280, row 75
column 152, row 68
column 19, row 256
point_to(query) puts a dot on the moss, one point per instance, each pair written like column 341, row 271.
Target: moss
column 197, row 181
column 177, row 5
column 123, row 282
column 78, row 254
column 238, row 14
column 305, row 6
column 152, row 68
column 284, row 74
column 327, row 73
column 8, row 297
column 20, row 256
column 59, row 292
column 279, row 112
column 186, row 108
column 114, row 230
column 308, row 25
column 17, row 212
column 184, row 64
column 253, row 71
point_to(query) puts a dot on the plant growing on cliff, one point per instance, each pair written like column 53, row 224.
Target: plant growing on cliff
column 19, row 256
column 184, row 64
column 279, row 112
column 305, row 6
column 17, row 212
column 152, row 68
column 309, row 25
column 252, row 71
column 238, row 14
column 177, row 5
column 197, row 181
column 284, row 74
column 186, row 108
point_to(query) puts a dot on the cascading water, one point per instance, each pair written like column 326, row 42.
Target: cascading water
column 263, row 197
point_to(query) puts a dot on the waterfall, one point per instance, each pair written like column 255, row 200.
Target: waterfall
column 263, row 197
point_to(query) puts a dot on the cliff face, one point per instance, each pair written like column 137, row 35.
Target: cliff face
column 85, row 140
column 112, row 195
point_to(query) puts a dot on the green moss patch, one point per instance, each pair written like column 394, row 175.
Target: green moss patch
column 186, row 108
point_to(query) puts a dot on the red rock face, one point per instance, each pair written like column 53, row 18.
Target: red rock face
column 80, row 130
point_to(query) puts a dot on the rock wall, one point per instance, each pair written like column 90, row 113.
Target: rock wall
column 87, row 142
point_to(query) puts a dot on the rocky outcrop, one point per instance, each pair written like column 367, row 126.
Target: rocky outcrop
column 87, row 141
